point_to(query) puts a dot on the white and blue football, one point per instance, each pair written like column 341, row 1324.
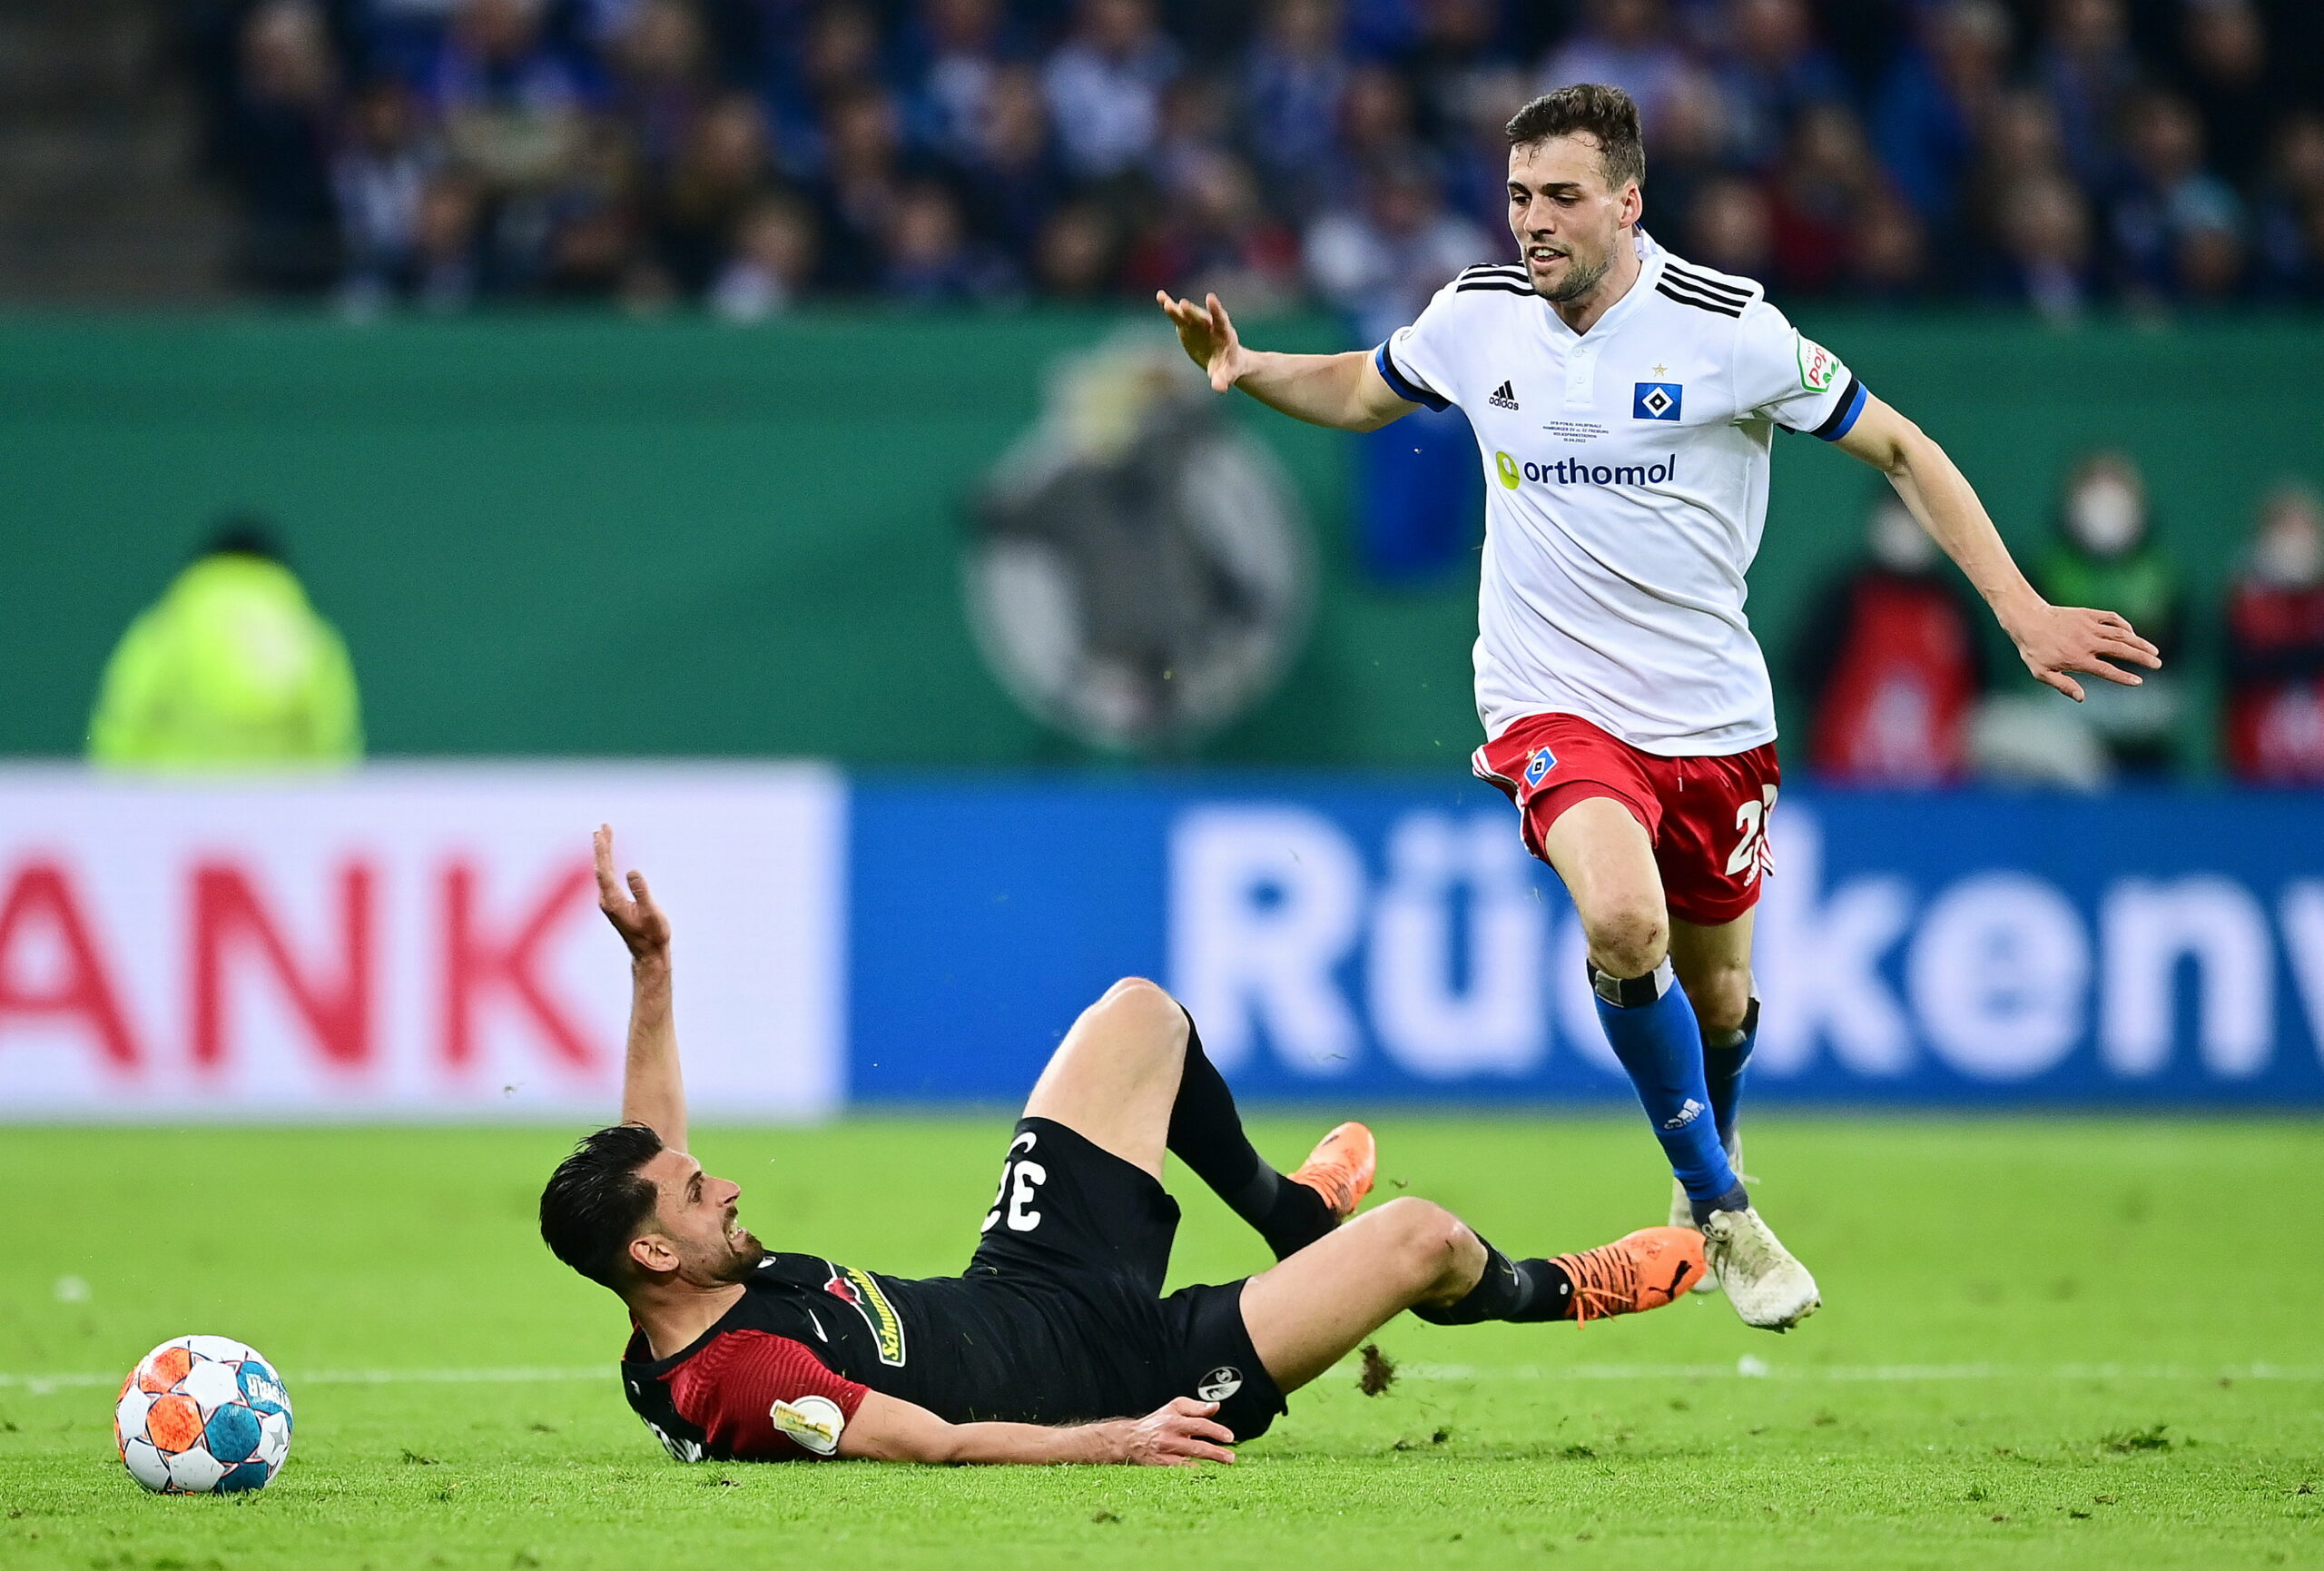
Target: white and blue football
column 202, row 1415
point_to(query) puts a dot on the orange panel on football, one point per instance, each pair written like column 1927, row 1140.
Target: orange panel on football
column 174, row 1423
column 163, row 1369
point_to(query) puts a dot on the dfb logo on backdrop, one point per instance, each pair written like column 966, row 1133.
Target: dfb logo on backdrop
column 1952, row 947
column 405, row 941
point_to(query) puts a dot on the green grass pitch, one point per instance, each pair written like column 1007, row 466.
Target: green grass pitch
column 2047, row 1342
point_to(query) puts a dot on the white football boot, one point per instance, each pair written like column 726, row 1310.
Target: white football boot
column 1682, row 1211
column 1768, row 1288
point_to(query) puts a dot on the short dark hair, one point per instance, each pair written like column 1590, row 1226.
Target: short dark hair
column 596, row 1202
column 1606, row 114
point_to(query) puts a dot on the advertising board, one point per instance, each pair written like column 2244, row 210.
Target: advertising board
column 410, row 942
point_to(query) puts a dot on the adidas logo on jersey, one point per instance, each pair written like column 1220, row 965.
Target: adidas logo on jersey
column 1504, row 397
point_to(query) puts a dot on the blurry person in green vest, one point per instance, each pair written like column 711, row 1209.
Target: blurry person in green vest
column 231, row 668
column 2106, row 555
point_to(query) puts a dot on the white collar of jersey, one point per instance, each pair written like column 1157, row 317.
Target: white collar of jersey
column 1650, row 256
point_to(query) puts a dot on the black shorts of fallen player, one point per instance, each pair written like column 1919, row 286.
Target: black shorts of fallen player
column 1088, row 1235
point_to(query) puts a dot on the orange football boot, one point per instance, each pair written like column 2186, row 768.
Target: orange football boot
column 1643, row 1270
column 1342, row 1166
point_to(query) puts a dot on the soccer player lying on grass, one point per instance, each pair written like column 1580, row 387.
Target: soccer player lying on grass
column 1058, row 1333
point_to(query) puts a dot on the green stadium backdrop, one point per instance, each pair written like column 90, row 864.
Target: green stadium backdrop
column 593, row 537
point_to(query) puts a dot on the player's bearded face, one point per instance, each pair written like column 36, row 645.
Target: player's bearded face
column 1565, row 219
column 712, row 1243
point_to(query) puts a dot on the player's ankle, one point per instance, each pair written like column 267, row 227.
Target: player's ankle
column 1734, row 1199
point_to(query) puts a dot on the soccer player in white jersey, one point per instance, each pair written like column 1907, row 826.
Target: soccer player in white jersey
column 1625, row 404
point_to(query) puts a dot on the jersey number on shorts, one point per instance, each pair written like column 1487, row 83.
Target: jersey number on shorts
column 1752, row 856
column 1017, row 1177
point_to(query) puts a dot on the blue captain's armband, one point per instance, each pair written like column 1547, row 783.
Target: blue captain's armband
column 1844, row 415
column 1402, row 386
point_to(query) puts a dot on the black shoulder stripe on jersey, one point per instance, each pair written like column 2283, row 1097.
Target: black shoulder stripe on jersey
column 1699, row 303
column 1708, row 285
column 1687, row 286
column 1507, row 269
column 1505, row 286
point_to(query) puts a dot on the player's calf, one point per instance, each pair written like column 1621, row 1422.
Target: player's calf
column 1727, row 1007
column 1602, row 850
column 1290, row 1211
column 1721, row 997
column 1651, row 1027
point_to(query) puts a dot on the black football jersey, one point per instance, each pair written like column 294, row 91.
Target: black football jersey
column 783, row 1369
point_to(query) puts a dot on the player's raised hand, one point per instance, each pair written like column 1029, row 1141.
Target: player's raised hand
column 2057, row 640
column 1208, row 335
column 641, row 924
column 1178, row 1434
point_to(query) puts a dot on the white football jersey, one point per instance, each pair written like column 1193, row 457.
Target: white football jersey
column 1626, row 485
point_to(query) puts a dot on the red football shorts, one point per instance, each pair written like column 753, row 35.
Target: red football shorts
column 1706, row 817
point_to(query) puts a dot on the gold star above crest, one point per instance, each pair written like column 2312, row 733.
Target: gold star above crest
column 1661, row 370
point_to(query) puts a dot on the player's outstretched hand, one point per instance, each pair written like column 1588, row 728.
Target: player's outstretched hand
column 641, row 924
column 2058, row 639
column 1208, row 335
column 1178, row 1435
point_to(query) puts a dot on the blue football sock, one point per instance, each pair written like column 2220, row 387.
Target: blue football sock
column 1723, row 1064
column 1654, row 1032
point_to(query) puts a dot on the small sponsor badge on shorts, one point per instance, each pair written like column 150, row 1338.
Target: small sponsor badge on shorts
column 1542, row 763
column 813, row 1422
column 1220, row 1384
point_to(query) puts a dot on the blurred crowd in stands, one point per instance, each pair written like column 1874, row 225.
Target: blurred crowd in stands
column 744, row 155
column 1891, row 658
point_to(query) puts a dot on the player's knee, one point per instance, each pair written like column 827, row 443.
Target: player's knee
column 1141, row 1013
column 1135, row 999
column 1134, row 988
column 1627, row 935
column 1426, row 1239
column 1721, row 998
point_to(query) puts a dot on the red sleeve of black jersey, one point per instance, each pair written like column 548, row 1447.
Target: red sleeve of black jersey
column 729, row 1390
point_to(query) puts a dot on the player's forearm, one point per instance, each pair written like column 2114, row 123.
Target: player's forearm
column 1001, row 1443
column 652, row 1091
column 1323, row 389
column 913, row 1435
column 1932, row 486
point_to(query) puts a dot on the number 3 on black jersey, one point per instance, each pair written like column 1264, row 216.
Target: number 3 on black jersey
column 1017, row 1177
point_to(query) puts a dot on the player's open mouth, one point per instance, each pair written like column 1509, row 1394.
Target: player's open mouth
column 1544, row 254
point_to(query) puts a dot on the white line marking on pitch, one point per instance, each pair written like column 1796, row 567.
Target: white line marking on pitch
column 1749, row 1367
column 42, row 1384
column 1745, row 1368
